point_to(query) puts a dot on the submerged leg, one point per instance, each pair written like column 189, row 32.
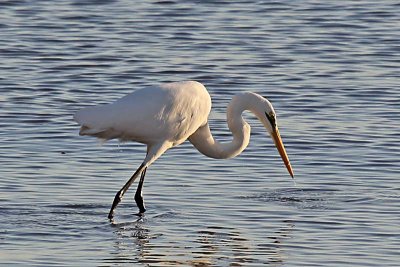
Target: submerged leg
column 121, row 192
column 139, row 195
column 154, row 151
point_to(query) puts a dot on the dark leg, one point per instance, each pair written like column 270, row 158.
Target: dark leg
column 139, row 195
column 121, row 192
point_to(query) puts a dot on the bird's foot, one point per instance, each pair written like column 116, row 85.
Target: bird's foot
column 140, row 203
column 141, row 212
column 117, row 199
column 111, row 215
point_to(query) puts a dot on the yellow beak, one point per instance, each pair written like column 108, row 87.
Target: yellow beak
column 281, row 149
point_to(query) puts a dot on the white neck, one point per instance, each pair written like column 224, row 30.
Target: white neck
column 203, row 140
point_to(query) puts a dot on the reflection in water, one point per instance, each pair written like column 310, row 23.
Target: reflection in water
column 213, row 246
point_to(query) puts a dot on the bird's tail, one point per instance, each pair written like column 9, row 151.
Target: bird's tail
column 94, row 121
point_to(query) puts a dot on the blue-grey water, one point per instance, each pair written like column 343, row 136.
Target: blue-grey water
column 331, row 69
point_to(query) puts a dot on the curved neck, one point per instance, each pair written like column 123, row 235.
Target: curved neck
column 203, row 140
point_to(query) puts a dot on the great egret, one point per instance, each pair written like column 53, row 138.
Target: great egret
column 165, row 116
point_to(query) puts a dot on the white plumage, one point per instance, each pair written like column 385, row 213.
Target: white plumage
column 170, row 112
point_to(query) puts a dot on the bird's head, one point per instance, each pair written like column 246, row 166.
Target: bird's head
column 265, row 112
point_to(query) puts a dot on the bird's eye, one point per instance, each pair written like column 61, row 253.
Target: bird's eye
column 271, row 118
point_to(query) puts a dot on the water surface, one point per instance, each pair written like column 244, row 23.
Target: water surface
column 330, row 68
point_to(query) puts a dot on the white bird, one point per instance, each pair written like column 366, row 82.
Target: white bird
column 165, row 116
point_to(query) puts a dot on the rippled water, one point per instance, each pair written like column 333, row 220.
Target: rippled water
column 331, row 69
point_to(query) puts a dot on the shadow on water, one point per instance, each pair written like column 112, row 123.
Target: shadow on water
column 137, row 242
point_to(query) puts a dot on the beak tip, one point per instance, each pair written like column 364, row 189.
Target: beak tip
column 290, row 170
